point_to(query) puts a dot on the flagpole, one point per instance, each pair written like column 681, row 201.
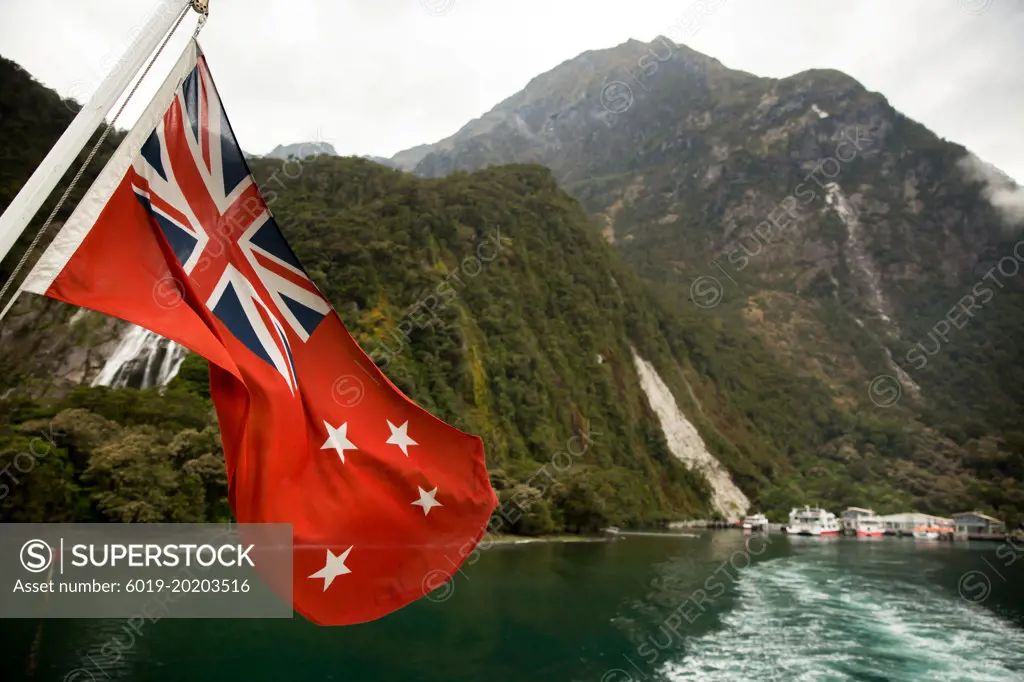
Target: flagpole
column 45, row 178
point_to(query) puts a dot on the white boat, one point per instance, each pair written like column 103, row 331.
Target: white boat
column 812, row 521
column 862, row 522
column 756, row 522
column 926, row 533
column 869, row 527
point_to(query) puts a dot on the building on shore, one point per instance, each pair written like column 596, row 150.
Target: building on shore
column 904, row 524
column 977, row 525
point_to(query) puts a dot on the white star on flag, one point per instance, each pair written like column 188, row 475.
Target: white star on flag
column 400, row 437
column 427, row 500
column 333, row 567
column 337, row 439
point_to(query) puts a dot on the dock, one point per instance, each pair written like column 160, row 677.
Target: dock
column 617, row 532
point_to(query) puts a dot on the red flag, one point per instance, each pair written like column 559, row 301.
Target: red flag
column 174, row 236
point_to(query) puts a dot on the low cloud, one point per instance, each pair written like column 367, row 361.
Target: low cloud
column 998, row 188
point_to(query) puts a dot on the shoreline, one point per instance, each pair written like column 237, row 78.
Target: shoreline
column 525, row 539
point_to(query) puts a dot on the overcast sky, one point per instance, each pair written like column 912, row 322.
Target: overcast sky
column 378, row 76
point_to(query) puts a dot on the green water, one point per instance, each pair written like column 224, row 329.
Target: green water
column 790, row 609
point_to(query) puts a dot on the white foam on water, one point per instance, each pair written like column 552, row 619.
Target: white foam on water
column 795, row 621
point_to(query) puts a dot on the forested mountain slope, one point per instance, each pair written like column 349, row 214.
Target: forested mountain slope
column 863, row 252
column 493, row 299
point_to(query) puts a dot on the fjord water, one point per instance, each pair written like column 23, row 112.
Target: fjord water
column 780, row 608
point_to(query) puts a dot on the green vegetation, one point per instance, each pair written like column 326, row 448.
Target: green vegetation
column 524, row 323
column 112, row 455
column 492, row 300
column 32, row 119
column 530, row 349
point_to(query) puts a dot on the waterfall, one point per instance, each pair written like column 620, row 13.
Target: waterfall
column 142, row 359
column 856, row 253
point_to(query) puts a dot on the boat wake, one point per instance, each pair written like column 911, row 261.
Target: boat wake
column 798, row 621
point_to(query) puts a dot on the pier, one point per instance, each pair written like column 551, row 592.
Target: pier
column 655, row 534
column 706, row 524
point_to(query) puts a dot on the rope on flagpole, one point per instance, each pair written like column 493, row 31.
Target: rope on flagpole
column 200, row 6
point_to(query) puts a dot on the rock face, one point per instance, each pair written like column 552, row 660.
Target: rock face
column 759, row 199
column 301, row 150
column 47, row 347
column 686, row 444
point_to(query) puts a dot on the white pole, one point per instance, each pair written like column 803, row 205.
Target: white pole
column 31, row 197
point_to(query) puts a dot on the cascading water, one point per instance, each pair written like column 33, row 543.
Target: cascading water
column 142, row 359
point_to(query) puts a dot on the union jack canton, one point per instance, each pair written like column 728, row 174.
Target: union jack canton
column 206, row 203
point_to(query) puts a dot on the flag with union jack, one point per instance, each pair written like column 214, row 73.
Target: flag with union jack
column 385, row 500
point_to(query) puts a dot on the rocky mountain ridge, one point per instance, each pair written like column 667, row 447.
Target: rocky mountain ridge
column 300, row 150
column 782, row 198
column 867, row 254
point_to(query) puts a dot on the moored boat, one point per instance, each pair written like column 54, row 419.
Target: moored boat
column 755, row 522
column 812, row 521
column 869, row 527
column 862, row 522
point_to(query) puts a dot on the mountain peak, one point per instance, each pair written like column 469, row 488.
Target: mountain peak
column 302, row 150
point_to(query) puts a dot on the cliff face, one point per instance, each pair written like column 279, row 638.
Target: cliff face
column 47, row 347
